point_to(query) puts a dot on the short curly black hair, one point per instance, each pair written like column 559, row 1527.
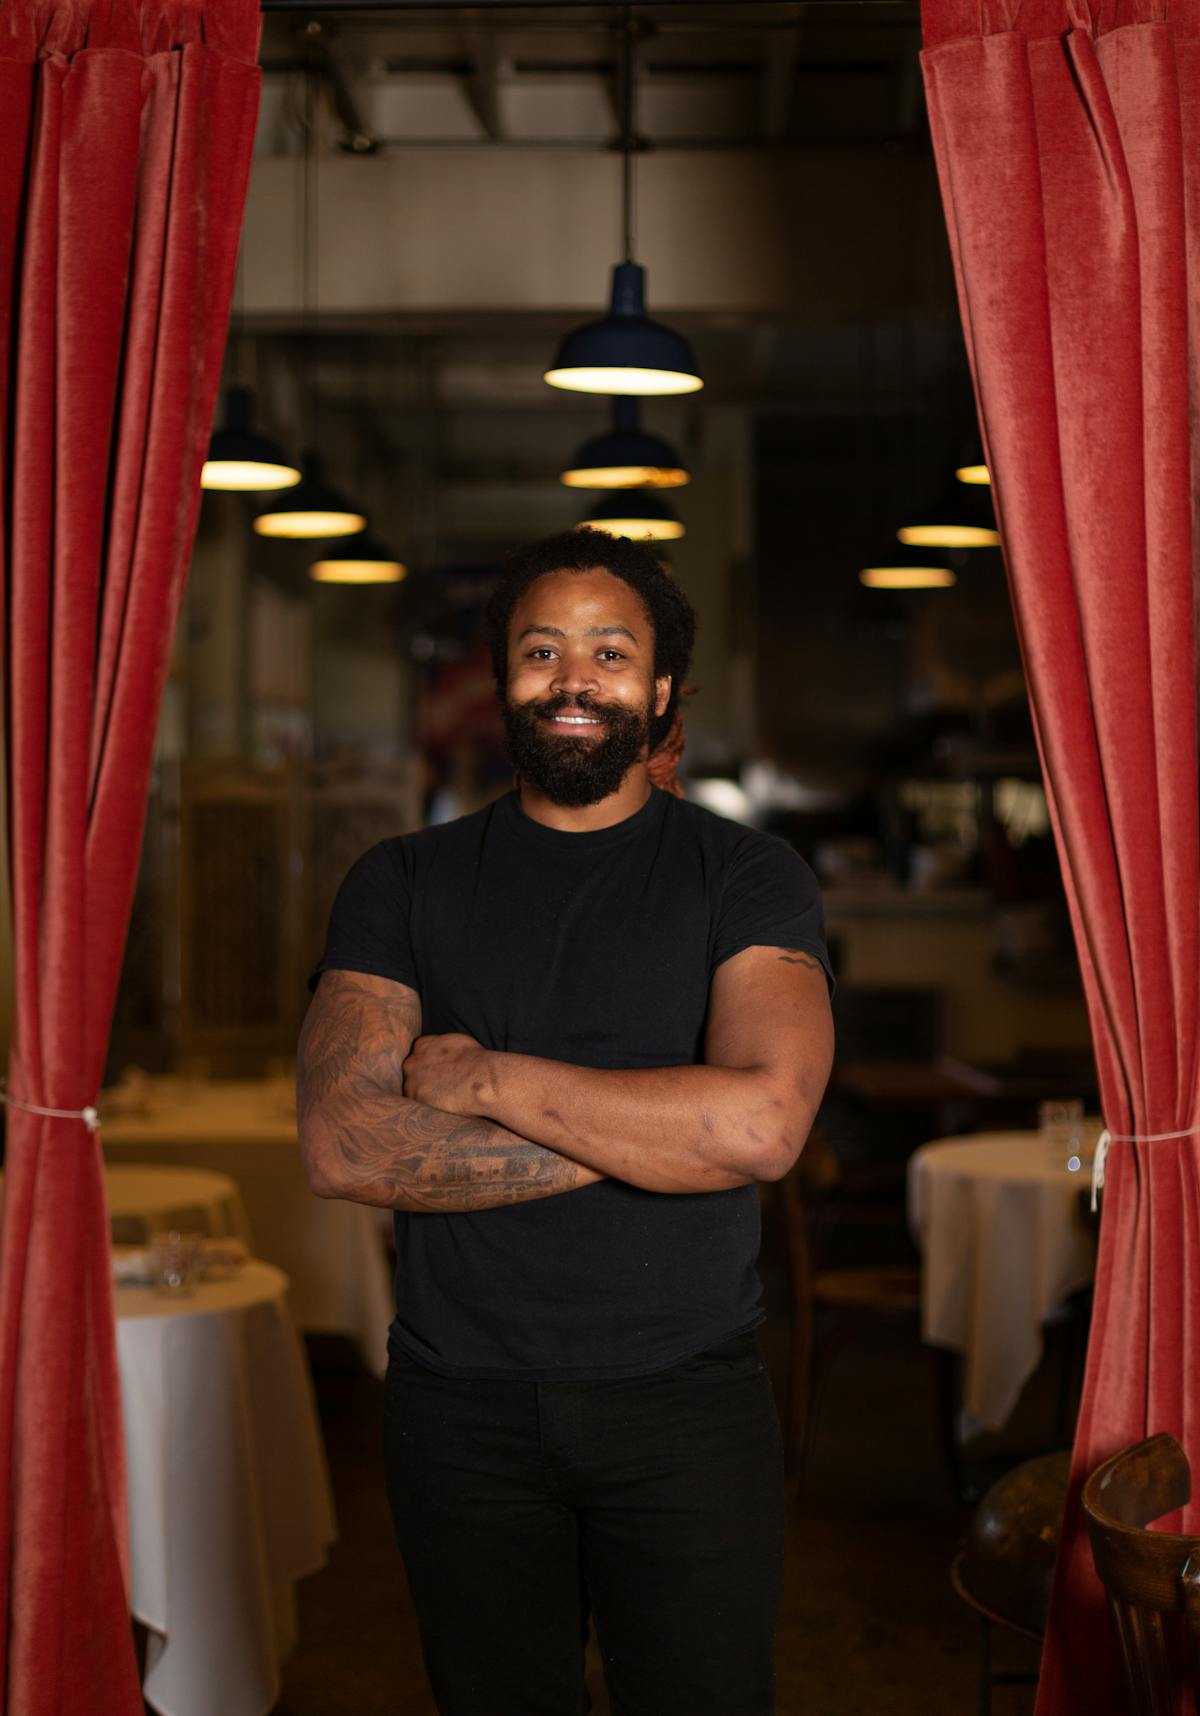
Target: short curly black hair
column 670, row 613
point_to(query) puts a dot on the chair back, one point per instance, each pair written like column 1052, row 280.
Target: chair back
column 888, row 1022
column 1148, row 1574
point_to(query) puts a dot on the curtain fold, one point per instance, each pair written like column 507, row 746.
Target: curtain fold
column 1068, row 154
column 126, row 132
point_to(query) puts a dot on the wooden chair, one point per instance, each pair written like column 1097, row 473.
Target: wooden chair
column 1148, row 1574
column 847, row 1297
column 1005, row 1566
column 829, row 1307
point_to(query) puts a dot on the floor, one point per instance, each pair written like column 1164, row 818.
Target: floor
column 870, row 1623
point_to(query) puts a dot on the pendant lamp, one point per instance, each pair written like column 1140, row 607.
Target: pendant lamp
column 640, row 514
column 361, row 560
column 311, row 509
column 241, row 459
column 625, row 352
column 906, row 569
column 627, row 457
column 907, row 577
column 958, row 518
column 971, row 467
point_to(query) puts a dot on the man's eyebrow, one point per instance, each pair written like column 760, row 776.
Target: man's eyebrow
column 592, row 632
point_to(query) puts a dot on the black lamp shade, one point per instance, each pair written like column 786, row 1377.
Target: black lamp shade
column 360, row 559
column 637, row 513
column 896, row 567
column 627, row 457
column 312, row 509
column 239, row 457
column 960, row 517
column 970, row 466
column 625, row 352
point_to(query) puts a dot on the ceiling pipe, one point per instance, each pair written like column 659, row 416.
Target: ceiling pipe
column 338, row 8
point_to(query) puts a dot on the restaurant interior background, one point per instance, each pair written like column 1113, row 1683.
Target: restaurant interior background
column 410, row 261
column 464, row 214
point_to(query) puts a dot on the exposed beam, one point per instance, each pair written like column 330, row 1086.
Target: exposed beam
column 779, row 81
column 489, row 66
column 357, row 138
column 488, row 229
column 910, row 95
column 615, row 81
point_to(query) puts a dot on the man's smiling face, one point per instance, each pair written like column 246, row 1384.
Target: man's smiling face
column 581, row 688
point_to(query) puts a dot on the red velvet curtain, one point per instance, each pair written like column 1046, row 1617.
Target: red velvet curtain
column 1067, row 142
column 126, row 129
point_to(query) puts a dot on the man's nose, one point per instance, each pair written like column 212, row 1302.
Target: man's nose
column 575, row 673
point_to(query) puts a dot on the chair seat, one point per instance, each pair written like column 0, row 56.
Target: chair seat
column 880, row 1289
column 1006, row 1565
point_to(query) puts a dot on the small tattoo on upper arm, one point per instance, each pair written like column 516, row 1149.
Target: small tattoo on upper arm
column 793, row 956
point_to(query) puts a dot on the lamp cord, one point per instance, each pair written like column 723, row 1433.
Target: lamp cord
column 628, row 29
column 239, row 319
column 309, row 219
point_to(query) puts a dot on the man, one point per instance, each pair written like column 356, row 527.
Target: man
column 563, row 1038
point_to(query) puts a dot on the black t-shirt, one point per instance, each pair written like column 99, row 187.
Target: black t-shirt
column 596, row 949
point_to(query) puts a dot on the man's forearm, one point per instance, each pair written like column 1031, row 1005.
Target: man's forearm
column 742, row 1115
column 364, row 1140
column 669, row 1129
column 402, row 1155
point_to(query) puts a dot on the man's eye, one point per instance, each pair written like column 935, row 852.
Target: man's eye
column 542, row 654
column 612, row 655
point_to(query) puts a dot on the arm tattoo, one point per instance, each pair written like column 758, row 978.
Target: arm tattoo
column 354, row 1035
column 793, row 956
column 379, row 1147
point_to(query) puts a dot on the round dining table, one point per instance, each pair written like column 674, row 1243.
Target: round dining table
column 333, row 1252
column 229, row 1495
column 194, row 1200
column 1004, row 1242
column 142, row 1199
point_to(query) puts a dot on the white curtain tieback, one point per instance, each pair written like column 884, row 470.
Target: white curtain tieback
column 1106, row 1138
column 89, row 1115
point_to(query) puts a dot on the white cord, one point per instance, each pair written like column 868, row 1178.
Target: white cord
column 88, row 1115
column 1106, row 1138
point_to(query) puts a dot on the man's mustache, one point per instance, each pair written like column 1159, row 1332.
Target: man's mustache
column 585, row 704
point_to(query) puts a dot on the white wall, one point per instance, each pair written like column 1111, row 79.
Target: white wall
column 821, row 234
column 949, row 942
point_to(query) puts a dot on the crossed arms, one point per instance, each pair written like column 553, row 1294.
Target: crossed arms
column 364, row 1140
column 439, row 1123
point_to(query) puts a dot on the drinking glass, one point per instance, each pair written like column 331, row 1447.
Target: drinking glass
column 174, row 1257
column 1061, row 1126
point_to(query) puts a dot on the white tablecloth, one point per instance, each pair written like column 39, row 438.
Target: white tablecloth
column 141, row 1199
column 1002, row 1245
column 229, row 1499
column 332, row 1252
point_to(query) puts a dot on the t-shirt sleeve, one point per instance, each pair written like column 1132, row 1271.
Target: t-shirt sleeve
column 770, row 898
column 369, row 924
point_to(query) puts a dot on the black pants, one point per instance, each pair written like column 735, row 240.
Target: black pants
column 654, row 1506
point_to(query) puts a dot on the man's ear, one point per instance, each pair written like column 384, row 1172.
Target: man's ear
column 662, row 693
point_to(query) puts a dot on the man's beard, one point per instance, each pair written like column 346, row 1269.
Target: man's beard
column 575, row 772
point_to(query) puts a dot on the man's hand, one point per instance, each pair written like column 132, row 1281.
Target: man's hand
column 364, row 1139
column 742, row 1115
column 450, row 1072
